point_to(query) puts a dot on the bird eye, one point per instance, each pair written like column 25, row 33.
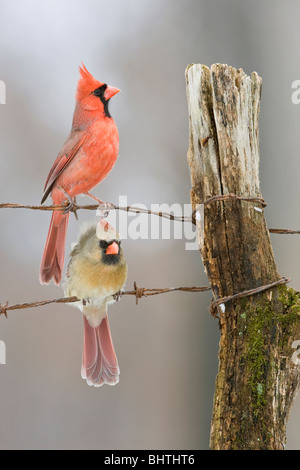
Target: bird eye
column 100, row 91
column 103, row 244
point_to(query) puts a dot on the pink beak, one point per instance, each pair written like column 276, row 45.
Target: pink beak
column 112, row 249
column 110, row 92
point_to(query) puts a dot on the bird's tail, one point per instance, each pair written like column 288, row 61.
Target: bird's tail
column 54, row 253
column 99, row 361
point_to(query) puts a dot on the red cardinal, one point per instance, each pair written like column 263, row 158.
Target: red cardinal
column 97, row 271
column 85, row 159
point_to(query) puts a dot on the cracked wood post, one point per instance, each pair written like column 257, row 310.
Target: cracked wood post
column 258, row 374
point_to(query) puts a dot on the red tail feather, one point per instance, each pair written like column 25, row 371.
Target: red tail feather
column 53, row 258
column 99, row 361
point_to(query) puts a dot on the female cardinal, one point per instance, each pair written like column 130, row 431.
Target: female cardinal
column 85, row 159
column 97, row 271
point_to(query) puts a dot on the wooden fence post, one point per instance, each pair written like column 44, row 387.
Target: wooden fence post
column 259, row 373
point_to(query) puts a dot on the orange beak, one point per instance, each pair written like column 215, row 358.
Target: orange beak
column 110, row 92
column 112, row 249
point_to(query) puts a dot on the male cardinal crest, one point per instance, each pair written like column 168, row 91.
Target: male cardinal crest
column 85, row 159
column 97, row 271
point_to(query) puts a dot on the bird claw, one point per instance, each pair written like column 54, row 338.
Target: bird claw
column 68, row 205
column 104, row 209
column 117, row 296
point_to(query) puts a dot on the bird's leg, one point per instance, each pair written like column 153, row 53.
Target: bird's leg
column 105, row 207
column 95, row 198
column 69, row 204
column 75, row 210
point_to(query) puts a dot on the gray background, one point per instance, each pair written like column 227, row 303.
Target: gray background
column 167, row 346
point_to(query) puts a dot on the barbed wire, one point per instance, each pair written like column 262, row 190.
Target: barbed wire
column 246, row 293
column 235, row 197
column 138, row 292
column 92, row 207
column 282, row 231
column 137, row 210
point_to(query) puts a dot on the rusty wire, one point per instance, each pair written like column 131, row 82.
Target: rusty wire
column 138, row 292
column 138, row 210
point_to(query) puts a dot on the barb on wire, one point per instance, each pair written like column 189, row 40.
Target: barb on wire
column 40, row 303
column 138, row 292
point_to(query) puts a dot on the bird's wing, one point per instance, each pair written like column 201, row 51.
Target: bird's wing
column 67, row 153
